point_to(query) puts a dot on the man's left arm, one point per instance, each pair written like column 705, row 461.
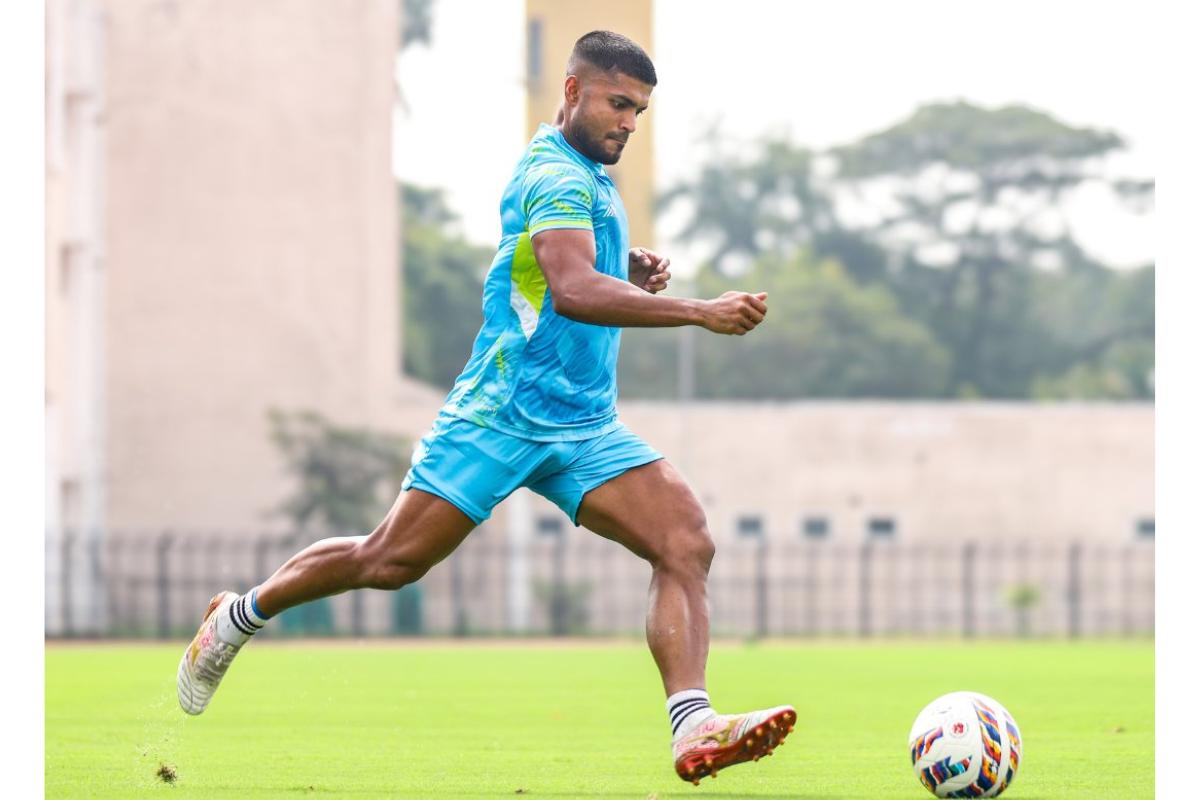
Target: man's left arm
column 648, row 270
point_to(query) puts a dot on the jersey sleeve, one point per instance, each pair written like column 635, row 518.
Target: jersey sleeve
column 556, row 195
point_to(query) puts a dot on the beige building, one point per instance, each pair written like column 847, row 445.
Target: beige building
column 552, row 26
column 914, row 472
column 221, row 240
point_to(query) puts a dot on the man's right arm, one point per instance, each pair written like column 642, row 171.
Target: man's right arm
column 568, row 258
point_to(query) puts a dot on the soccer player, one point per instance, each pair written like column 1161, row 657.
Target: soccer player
column 535, row 407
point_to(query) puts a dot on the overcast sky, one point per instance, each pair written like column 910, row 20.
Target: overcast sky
column 824, row 73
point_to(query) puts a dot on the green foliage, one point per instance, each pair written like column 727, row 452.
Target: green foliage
column 346, row 477
column 408, row 617
column 1023, row 598
column 970, row 247
column 1024, row 595
column 1124, row 372
column 442, row 288
column 416, row 20
column 565, row 604
column 989, row 142
column 825, row 336
column 648, row 367
column 1100, row 327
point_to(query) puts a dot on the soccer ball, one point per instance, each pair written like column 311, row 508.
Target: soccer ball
column 965, row 744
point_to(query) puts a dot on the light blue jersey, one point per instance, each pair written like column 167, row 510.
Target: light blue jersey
column 533, row 373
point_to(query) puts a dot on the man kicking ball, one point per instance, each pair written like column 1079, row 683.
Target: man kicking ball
column 535, row 406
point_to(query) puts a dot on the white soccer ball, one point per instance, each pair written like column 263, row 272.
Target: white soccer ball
column 965, row 744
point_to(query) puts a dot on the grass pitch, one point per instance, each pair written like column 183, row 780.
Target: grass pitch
column 544, row 720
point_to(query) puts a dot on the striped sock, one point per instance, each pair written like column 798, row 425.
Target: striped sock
column 243, row 620
column 687, row 709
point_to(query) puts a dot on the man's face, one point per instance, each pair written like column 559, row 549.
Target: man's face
column 604, row 111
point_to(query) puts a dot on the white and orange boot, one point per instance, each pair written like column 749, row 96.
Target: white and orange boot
column 206, row 659
column 728, row 739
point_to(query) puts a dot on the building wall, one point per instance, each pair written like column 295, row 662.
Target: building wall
column 941, row 472
column 252, row 245
column 75, row 266
column 552, row 27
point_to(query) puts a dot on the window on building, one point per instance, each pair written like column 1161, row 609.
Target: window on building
column 533, row 52
column 1145, row 528
column 881, row 527
column 815, row 527
column 549, row 526
column 750, row 526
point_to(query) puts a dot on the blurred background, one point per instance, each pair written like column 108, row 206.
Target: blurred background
column 267, row 227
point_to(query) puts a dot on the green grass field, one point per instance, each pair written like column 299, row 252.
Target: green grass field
column 545, row 720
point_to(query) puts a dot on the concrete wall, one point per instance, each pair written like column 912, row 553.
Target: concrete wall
column 252, row 240
column 939, row 471
column 75, row 268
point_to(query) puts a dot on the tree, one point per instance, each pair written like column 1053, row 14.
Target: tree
column 774, row 204
column 978, row 204
column 1023, row 598
column 442, row 288
column 958, row 211
column 416, row 22
column 346, row 478
column 825, row 336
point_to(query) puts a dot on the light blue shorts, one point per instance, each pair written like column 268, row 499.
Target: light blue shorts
column 475, row 467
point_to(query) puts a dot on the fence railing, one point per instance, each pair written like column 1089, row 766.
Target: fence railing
column 157, row 585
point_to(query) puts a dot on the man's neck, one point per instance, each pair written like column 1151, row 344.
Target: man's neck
column 562, row 128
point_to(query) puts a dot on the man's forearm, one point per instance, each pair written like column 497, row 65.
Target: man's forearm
column 605, row 300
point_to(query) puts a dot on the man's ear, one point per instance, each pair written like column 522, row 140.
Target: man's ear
column 572, row 90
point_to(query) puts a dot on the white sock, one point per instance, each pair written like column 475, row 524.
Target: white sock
column 242, row 620
column 686, row 710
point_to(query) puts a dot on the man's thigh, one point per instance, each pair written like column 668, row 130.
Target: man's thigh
column 643, row 509
column 573, row 470
column 421, row 528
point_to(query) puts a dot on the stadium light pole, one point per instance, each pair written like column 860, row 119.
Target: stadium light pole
column 520, row 537
column 686, row 382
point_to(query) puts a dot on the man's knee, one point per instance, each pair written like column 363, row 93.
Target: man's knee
column 391, row 568
column 688, row 546
column 420, row 531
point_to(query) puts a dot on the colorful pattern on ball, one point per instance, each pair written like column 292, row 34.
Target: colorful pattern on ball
column 943, row 771
column 989, row 768
column 923, row 742
column 1014, row 750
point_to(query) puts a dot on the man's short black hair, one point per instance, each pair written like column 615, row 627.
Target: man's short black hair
column 607, row 50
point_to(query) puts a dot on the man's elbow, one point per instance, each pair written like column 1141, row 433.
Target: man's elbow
column 568, row 301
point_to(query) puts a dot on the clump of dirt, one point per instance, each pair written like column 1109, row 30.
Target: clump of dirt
column 166, row 773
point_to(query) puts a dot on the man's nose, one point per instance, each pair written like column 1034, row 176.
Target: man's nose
column 629, row 123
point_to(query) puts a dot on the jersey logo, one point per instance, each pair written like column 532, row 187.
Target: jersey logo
column 611, row 211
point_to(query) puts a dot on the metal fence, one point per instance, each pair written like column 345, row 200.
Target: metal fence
column 571, row 582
